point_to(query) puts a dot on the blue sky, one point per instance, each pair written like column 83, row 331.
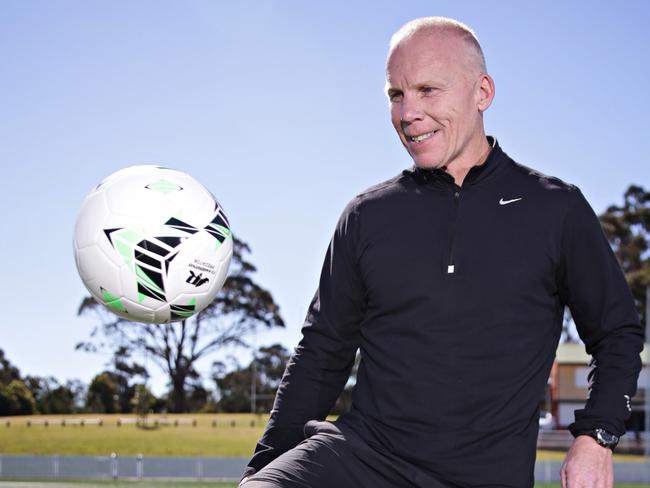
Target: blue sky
column 277, row 107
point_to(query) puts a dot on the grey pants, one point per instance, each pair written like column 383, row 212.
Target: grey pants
column 334, row 456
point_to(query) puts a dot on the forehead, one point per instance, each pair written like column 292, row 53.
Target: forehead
column 426, row 55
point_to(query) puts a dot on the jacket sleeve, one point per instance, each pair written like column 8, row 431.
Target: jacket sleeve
column 592, row 284
column 321, row 363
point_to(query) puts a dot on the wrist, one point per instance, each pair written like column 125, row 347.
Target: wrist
column 601, row 437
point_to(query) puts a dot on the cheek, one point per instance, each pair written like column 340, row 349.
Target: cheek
column 441, row 110
column 394, row 116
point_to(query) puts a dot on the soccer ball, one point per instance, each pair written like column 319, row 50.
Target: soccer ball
column 152, row 244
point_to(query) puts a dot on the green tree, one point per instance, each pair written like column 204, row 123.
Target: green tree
column 142, row 401
column 102, row 394
column 8, row 402
column 627, row 228
column 24, row 398
column 16, row 399
column 125, row 373
column 8, row 372
column 235, row 386
column 241, row 307
column 15, row 396
column 52, row 397
column 197, row 397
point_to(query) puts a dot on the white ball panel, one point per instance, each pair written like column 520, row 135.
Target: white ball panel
column 92, row 216
column 139, row 201
column 162, row 314
column 95, row 267
column 137, row 312
column 221, row 268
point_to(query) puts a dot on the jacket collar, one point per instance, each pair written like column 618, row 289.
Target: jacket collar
column 475, row 174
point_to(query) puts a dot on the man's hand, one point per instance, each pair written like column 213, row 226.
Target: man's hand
column 587, row 465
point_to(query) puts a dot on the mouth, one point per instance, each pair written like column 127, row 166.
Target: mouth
column 421, row 137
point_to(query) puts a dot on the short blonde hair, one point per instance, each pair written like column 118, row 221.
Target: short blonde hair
column 424, row 24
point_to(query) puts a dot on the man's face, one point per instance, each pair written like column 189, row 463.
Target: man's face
column 434, row 93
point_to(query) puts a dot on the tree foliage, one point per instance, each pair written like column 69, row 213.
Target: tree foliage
column 16, row 399
column 8, row 372
column 34, row 394
column 268, row 366
column 52, row 397
column 102, row 394
column 142, row 402
column 15, row 396
column 240, row 308
column 234, row 387
column 126, row 374
column 627, row 228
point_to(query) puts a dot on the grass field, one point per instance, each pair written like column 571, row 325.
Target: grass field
column 212, row 435
column 217, row 435
column 180, row 484
column 206, row 435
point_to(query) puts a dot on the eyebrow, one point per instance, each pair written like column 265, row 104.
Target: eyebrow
column 392, row 91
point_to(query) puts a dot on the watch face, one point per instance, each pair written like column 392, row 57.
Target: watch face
column 606, row 439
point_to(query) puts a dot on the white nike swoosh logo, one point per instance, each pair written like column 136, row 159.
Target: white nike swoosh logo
column 506, row 202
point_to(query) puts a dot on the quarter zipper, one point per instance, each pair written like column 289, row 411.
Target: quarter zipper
column 451, row 267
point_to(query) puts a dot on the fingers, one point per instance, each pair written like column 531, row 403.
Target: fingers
column 578, row 480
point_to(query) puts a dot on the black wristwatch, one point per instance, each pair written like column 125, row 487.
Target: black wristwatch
column 604, row 438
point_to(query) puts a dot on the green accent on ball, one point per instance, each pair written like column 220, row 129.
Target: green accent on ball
column 184, row 314
column 130, row 235
column 142, row 276
column 164, row 186
column 124, row 250
column 113, row 301
column 224, row 230
column 141, row 297
column 193, row 302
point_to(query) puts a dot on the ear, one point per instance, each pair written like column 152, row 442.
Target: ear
column 484, row 92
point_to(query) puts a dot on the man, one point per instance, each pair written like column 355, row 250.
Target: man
column 452, row 279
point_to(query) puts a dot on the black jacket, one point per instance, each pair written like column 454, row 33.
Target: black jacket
column 455, row 296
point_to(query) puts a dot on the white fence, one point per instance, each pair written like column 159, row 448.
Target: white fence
column 133, row 467
column 107, row 467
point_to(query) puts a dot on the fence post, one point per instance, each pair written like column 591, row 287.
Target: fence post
column 547, row 471
column 55, row 466
column 114, row 472
column 139, row 467
column 199, row 468
column 0, row 466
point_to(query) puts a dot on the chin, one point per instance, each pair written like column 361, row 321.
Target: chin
column 428, row 163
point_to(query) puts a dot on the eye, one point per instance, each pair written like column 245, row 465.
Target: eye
column 394, row 95
column 427, row 90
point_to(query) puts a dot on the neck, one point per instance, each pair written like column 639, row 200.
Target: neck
column 459, row 169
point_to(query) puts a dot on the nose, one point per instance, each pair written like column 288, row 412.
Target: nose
column 410, row 110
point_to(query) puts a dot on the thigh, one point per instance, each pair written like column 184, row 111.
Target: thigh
column 332, row 456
